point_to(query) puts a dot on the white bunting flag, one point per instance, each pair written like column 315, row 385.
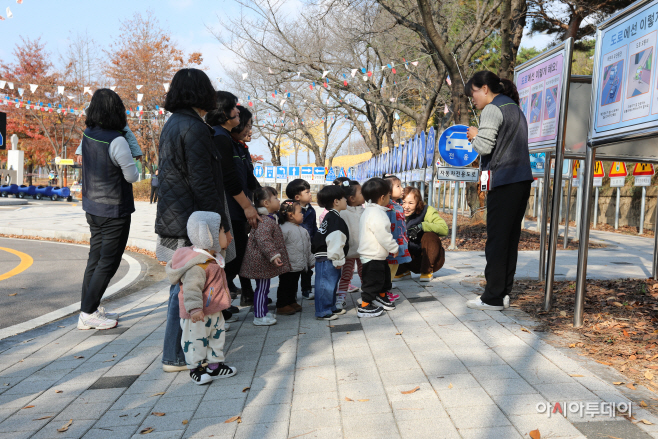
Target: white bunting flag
column 33, row 88
column 415, row 63
column 139, row 97
column 354, row 72
column 11, row 85
column 445, row 109
column 298, row 74
column 87, row 90
column 166, row 86
column 270, row 70
column 282, row 102
column 365, row 78
column 112, row 87
column 9, row 14
column 2, row 84
column 244, row 76
column 20, row 91
column 71, row 97
column 325, row 73
column 139, row 87
column 60, row 89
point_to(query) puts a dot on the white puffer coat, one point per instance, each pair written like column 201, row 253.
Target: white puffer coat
column 298, row 245
column 351, row 216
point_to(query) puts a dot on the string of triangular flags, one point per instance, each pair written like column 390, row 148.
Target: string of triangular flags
column 13, row 85
column 9, row 13
column 59, row 108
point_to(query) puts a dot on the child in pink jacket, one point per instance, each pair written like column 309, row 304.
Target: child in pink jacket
column 202, row 297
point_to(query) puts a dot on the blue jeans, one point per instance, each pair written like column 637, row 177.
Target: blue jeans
column 172, row 353
column 326, row 284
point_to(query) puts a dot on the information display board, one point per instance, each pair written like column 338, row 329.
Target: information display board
column 624, row 83
column 543, row 85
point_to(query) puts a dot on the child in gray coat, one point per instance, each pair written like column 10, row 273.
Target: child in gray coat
column 203, row 295
column 298, row 245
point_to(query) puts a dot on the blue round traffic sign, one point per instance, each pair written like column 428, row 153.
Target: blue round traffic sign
column 421, row 152
column 429, row 150
column 455, row 148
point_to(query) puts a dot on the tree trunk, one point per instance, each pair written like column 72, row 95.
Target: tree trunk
column 574, row 24
column 506, row 68
column 30, row 170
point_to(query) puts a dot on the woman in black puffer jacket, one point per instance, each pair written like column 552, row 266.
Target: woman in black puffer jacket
column 191, row 180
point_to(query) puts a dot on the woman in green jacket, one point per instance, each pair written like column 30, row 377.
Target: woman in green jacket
column 424, row 227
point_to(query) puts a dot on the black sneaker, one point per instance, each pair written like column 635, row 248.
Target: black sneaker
column 200, row 376
column 384, row 302
column 223, row 371
column 369, row 311
column 233, row 309
column 246, row 301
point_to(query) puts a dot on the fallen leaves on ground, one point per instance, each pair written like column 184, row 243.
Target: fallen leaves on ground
column 129, row 248
column 42, row 418
column 147, row 430
column 65, row 427
column 245, row 389
column 12, row 294
column 28, row 407
column 157, row 414
column 158, row 394
column 233, row 419
column 620, row 323
column 534, row 434
column 349, row 399
column 407, row 392
column 644, row 421
column 185, row 422
column 473, row 236
column 59, row 391
column 78, row 357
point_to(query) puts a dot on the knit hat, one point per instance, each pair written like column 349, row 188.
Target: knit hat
column 203, row 230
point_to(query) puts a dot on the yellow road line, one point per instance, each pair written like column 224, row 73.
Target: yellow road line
column 26, row 262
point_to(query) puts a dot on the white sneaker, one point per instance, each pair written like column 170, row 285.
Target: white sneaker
column 264, row 321
column 353, row 289
column 108, row 315
column 96, row 321
column 479, row 304
column 506, row 302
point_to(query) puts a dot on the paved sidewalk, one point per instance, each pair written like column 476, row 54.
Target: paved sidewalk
column 63, row 220
column 479, row 375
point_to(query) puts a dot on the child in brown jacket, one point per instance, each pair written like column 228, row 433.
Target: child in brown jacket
column 202, row 297
column 266, row 256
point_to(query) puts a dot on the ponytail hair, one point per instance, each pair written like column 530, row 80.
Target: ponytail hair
column 495, row 84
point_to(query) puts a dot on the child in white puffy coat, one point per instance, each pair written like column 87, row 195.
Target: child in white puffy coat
column 298, row 245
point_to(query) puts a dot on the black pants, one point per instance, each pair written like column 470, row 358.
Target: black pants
column 306, row 280
column 106, row 246
column 288, row 286
column 506, row 206
column 154, row 194
column 232, row 269
column 376, row 280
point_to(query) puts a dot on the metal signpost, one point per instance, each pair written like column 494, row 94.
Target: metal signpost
column 457, row 151
column 543, row 84
column 623, row 107
column 643, row 173
column 617, row 176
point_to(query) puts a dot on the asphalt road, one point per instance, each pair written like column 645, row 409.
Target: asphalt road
column 52, row 281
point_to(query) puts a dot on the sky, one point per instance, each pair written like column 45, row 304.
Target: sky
column 190, row 22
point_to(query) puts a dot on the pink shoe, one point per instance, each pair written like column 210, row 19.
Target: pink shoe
column 393, row 297
column 353, row 289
